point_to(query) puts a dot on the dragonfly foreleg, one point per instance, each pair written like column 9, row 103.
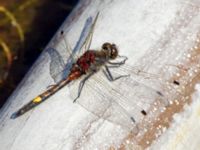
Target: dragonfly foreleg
column 120, row 62
column 109, row 75
column 81, row 84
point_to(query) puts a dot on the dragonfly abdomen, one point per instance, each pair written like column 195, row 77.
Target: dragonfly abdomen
column 40, row 98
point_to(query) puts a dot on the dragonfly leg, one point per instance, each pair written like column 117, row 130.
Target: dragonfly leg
column 109, row 75
column 81, row 84
column 119, row 63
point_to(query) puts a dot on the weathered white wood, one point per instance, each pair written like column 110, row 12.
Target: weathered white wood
column 155, row 35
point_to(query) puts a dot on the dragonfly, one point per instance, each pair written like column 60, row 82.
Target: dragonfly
column 111, row 95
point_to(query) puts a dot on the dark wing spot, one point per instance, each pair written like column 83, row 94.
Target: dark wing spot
column 176, row 82
column 61, row 32
column 144, row 112
column 133, row 119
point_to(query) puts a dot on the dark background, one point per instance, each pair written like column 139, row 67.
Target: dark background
column 38, row 21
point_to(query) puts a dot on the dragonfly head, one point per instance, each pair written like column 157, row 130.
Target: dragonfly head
column 110, row 49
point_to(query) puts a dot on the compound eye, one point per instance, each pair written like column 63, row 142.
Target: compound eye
column 106, row 46
column 113, row 46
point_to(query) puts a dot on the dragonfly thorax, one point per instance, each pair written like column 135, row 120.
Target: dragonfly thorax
column 110, row 50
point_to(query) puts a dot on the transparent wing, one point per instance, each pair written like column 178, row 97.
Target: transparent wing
column 57, row 65
column 58, row 68
column 86, row 31
column 124, row 102
column 167, row 88
column 88, row 41
column 99, row 101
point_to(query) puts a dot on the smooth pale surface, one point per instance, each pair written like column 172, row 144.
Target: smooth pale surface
column 151, row 33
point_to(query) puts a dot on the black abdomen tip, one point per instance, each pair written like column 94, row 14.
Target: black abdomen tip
column 14, row 115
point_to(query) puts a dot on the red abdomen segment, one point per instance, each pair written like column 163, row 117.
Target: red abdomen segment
column 86, row 60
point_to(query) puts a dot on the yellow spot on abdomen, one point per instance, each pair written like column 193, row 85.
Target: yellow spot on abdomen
column 37, row 99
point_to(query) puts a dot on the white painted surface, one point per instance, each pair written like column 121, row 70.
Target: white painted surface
column 151, row 33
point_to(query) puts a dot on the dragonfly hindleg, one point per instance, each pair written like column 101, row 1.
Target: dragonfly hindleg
column 81, row 84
